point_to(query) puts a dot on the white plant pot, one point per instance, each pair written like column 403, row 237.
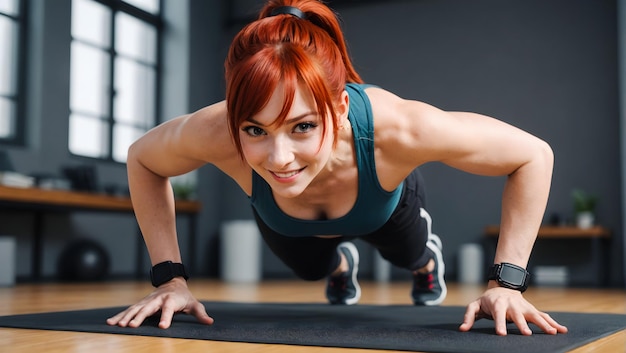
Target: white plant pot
column 585, row 220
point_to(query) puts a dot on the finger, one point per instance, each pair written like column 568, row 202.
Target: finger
column 559, row 328
column 548, row 324
column 470, row 316
column 199, row 311
column 167, row 313
column 499, row 318
column 142, row 314
column 122, row 319
column 520, row 321
column 114, row 320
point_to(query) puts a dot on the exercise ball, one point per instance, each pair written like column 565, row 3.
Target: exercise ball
column 83, row 260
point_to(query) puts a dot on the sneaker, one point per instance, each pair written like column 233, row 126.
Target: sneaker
column 430, row 288
column 344, row 289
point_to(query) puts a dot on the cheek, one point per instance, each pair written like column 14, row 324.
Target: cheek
column 326, row 146
column 251, row 152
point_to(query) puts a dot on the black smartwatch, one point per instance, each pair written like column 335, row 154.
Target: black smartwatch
column 510, row 276
column 166, row 271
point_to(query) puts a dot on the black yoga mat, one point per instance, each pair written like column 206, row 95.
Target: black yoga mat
column 392, row 327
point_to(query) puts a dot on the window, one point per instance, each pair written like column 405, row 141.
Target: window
column 11, row 48
column 113, row 75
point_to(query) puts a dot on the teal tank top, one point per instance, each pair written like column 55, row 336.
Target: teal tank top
column 373, row 205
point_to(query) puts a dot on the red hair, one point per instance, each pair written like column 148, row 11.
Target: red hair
column 309, row 53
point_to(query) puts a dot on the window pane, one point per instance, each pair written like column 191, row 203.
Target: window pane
column 9, row 7
column 89, row 80
column 7, row 118
column 91, row 22
column 151, row 6
column 123, row 137
column 134, row 99
column 88, row 136
column 8, row 55
column 134, row 38
column 130, row 55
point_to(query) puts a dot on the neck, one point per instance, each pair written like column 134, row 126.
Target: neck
column 343, row 155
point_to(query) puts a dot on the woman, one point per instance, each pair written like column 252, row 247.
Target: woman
column 325, row 158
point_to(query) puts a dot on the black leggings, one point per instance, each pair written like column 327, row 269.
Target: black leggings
column 402, row 240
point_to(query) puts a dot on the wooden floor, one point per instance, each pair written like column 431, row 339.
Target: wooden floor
column 32, row 298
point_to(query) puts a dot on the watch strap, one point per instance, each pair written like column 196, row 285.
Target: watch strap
column 166, row 271
column 493, row 272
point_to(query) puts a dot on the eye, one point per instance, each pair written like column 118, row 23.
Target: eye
column 304, row 127
column 253, row 131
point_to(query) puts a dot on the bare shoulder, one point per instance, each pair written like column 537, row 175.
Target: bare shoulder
column 187, row 142
column 402, row 125
column 205, row 134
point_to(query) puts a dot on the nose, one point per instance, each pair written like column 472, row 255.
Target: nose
column 280, row 153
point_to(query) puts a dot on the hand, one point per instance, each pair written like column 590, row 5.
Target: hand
column 504, row 305
column 170, row 298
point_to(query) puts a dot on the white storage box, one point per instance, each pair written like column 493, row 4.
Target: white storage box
column 7, row 261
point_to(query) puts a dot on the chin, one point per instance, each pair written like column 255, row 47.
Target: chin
column 288, row 193
column 290, row 190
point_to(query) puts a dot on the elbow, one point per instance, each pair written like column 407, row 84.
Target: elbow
column 539, row 158
column 132, row 157
column 136, row 153
column 545, row 155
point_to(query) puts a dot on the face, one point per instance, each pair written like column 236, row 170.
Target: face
column 288, row 156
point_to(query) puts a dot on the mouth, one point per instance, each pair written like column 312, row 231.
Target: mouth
column 286, row 176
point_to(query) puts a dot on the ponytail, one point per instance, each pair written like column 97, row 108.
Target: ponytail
column 323, row 17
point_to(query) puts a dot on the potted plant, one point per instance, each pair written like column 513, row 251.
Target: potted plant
column 584, row 208
column 183, row 191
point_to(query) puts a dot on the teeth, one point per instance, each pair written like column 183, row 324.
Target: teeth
column 286, row 175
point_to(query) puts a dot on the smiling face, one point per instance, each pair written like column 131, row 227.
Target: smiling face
column 291, row 154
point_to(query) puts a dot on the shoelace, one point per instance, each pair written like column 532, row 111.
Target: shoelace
column 424, row 281
column 339, row 282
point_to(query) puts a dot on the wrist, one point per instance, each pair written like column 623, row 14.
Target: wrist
column 177, row 281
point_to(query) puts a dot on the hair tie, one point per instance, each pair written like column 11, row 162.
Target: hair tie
column 288, row 10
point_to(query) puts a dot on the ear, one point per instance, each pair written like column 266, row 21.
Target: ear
column 343, row 108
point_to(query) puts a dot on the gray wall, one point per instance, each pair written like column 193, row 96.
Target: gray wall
column 621, row 14
column 549, row 67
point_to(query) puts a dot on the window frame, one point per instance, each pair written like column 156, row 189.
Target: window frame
column 19, row 136
column 156, row 21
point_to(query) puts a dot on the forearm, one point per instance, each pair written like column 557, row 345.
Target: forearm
column 153, row 202
column 524, row 202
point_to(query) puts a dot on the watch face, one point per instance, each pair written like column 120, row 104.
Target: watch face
column 512, row 275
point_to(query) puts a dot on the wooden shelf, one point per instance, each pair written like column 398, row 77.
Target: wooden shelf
column 74, row 199
column 44, row 200
column 559, row 232
column 598, row 237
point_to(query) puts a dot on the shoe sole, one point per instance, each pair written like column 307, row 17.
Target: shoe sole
column 355, row 259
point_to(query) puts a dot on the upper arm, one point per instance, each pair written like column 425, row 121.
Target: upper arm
column 487, row 146
column 415, row 133
column 186, row 143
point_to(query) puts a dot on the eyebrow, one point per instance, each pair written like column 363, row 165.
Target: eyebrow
column 287, row 121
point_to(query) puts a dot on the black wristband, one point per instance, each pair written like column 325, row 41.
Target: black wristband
column 166, row 271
